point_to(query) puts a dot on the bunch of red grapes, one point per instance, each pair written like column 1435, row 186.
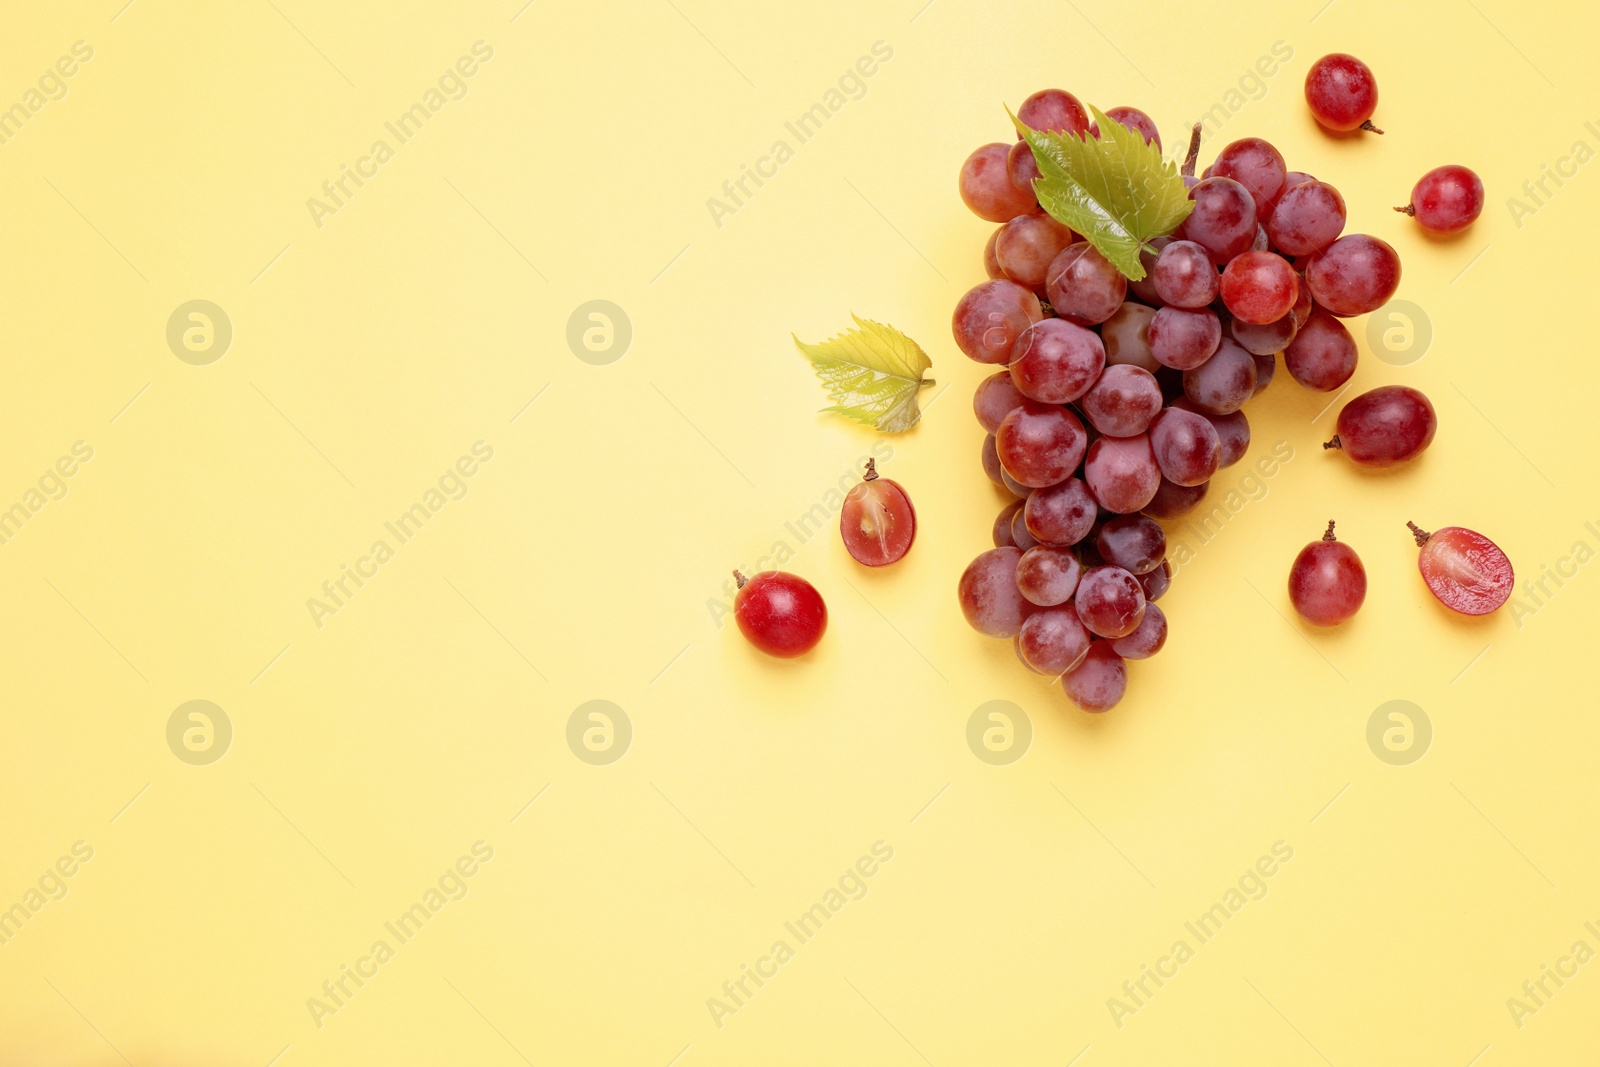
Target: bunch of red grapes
column 1119, row 400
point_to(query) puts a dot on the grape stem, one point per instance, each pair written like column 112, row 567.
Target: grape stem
column 1419, row 533
column 739, row 580
column 1194, row 152
column 1329, row 535
column 1335, row 443
column 1407, row 210
column 1369, row 127
column 872, row 471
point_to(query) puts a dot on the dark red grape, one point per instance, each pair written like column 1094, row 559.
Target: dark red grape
column 1122, row 402
column 990, row 317
column 1156, row 583
column 1121, row 473
column 1040, row 444
column 1327, row 582
column 989, row 596
column 1223, row 221
column 1109, row 600
column 1047, row 575
column 1002, row 525
column 1323, row 354
column 1083, row 286
column 1147, row 638
column 1135, row 543
column 1385, row 426
column 1053, row 640
column 1354, row 275
column 1099, row 682
column 1222, row 383
column 1026, row 245
column 1184, row 275
column 1061, row 514
column 1054, row 111
column 1186, row 447
column 1257, row 166
column 1055, row 361
column 1126, row 336
column 1172, row 500
column 995, row 398
column 1184, row 339
column 1306, row 219
column 1138, row 121
column 1264, row 339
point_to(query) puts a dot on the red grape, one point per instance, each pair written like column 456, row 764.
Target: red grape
column 1259, row 287
column 1060, row 514
column 1147, row 638
column 1121, row 473
column 1054, row 111
column 782, row 614
column 1047, row 575
column 989, row 596
column 995, row 398
column 1222, row 383
column 1385, row 426
column 1002, row 525
column 986, row 187
column 1133, row 542
column 1052, row 640
column 1026, row 245
column 1446, row 200
column 1465, row 570
column 1184, row 275
column 1323, row 355
column 1327, row 582
column 991, row 265
column 1137, row 121
column 1257, row 166
column 1233, row 431
column 1054, row 361
column 991, row 461
column 1172, row 500
column 1040, row 444
column 1354, row 275
column 1122, row 401
column 1109, row 600
column 1097, row 683
column 1223, row 221
column 1186, row 446
column 1266, row 367
column 1145, row 288
column 1342, row 93
column 1083, row 286
column 1267, row 338
column 877, row 521
column 1126, row 336
column 1306, row 219
column 989, row 318
column 1184, row 339
column 1019, row 531
column 1021, row 167
column 1156, row 583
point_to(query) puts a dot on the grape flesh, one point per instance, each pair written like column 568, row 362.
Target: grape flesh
column 1053, row 641
column 1354, row 275
column 1342, row 93
column 1122, row 401
column 1306, row 219
column 1183, row 339
column 1048, row 576
column 986, row 187
column 1223, row 221
column 1055, row 362
column 1385, row 426
column 877, row 522
column 1184, row 275
column 1259, row 287
column 995, row 398
column 1327, row 582
column 1323, row 354
column 1446, row 200
column 1099, row 682
column 1083, row 286
column 1186, row 447
column 1147, row 638
column 1040, row 444
column 1222, row 383
column 1061, row 514
column 1109, row 600
column 1135, row 543
column 1121, row 473
column 1465, row 570
column 1026, row 245
column 991, row 316
column 1257, row 166
column 989, row 596
column 780, row 613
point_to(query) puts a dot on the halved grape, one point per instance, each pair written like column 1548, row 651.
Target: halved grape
column 1465, row 570
column 877, row 522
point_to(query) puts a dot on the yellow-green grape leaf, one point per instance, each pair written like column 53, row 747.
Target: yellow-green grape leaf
column 872, row 374
column 1116, row 191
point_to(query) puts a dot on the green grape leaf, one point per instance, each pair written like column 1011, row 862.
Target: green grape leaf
column 872, row 374
column 1116, row 191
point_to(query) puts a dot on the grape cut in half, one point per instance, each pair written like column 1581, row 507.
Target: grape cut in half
column 1465, row 570
column 877, row 521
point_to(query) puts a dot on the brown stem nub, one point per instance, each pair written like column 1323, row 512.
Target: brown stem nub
column 739, row 579
column 1335, row 443
column 872, row 471
column 1409, row 209
column 1419, row 533
column 1194, row 152
column 1369, row 127
column 1329, row 535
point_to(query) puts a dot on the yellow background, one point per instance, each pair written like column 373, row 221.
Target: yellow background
column 371, row 752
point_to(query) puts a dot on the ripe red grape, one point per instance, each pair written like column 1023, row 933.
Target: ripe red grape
column 1172, row 500
column 1222, row 383
column 1135, row 543
column 877, row 521
column 1385, row 426
column 1053, row 640
column 1183, row 339
column 1126, row 336
column 1047, row 575
column 989, row 318
column 1156, row 583
column 1266, row 367
column 1257, row 166
column 1026, row 245
column 1099, row 682
column 1147, row 638
column 1233, row 431
column 1020, row 536
column 1354, row 275
column 989, row 596
column 1002, row 525
column 995, row 398
column 1186, row 447
column 1122, row 401
column 1446, row 200
column 991, row 461
column 1465, row 570
column 1121, row 473
column 782, row 614
column 1054, row 361
column 1327, row 582
column 1137, row 121
column 1145, row 288
column 991, row 264
column 1083, row 286
column 1259, row 287
column 1021, row 167
column 1223, row 221
column 1109, row 600
column 1062, row 514
column 1054, row 111
column 1306, row 219
column 1264, row 339
column 986, row 187
column 1040, row 444
column 1184, row 275
column 1342, row 93
column 1323, row 354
